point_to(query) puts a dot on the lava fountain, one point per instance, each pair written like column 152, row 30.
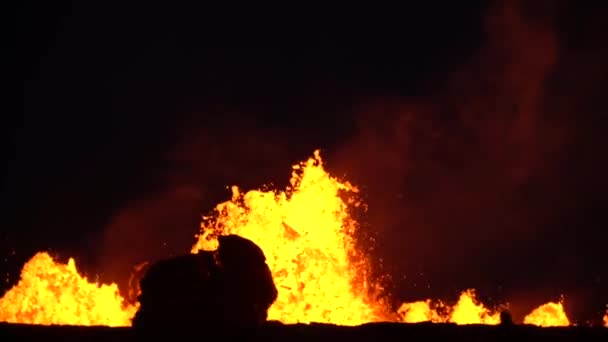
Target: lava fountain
column 548, row 315
column 54, row 293
column 308, row 237
column 307, row 232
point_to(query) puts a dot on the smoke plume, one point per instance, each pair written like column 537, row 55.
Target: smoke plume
column 475, row 185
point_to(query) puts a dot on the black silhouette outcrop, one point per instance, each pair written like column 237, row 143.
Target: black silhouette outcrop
column 506, row 320
column 229, row 287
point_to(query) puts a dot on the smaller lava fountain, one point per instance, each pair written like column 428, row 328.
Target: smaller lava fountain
column 54, row 293
column 469, row 311
column 466, row 311
column 548, row 315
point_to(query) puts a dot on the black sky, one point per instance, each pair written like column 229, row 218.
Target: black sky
column 476, row 131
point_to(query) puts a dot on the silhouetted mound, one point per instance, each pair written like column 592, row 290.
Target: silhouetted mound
column 246, row 280
column 230, row 287
column 506, row 320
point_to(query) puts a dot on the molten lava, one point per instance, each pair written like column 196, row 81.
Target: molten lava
column 421, row 311
column 548, row 315
column 469, row 311
column 53, row 293
column 308, row 235
column 466, row 311
column 308, row 238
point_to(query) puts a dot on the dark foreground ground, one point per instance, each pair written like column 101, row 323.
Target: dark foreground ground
column 319, row 332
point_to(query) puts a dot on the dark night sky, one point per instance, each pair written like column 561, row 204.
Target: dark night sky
column 476, row 132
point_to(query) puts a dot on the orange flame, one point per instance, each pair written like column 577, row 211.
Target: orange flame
column 53, row 293
column 606, row 318
column 548, row 315
column 308, row 238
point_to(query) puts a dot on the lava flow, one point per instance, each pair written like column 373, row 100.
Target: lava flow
column 307, row 233
column 54, row 293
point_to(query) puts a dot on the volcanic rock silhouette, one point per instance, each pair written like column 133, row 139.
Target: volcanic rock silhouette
column 229, row 287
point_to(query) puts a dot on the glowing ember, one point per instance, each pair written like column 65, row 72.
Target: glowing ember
column 466, row 311
column 548, row 315
column 606, row 319
column 307, row 236
column 53, row 293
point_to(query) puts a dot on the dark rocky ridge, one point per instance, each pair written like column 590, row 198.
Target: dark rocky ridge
column 323, row 332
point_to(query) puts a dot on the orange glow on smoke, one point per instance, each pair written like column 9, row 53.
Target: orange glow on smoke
column 308, row 238
column 548, row 315
column 53, row 293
